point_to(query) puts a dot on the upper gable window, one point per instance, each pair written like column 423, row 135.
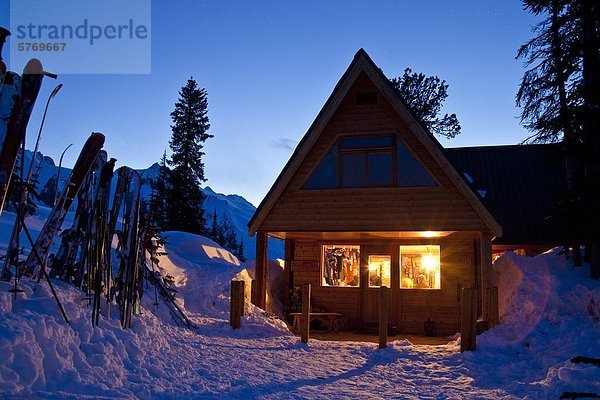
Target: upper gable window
column 325, row 175
column 366, row 98
column 365, row 142
column 368, row 161
column 410, row 170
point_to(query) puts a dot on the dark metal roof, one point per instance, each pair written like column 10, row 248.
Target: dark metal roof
column 523, row 186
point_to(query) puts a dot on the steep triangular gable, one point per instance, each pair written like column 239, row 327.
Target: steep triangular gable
column 363, row 64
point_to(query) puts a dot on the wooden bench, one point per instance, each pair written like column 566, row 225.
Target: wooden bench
column 332, row 320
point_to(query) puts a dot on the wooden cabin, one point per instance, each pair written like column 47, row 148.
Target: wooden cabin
column 369, row 199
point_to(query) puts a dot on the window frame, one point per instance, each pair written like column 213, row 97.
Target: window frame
column 392, row 149
column 382, row 255
column 322, row 263
column 400, row 274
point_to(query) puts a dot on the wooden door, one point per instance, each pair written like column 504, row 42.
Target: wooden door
column 379, row 267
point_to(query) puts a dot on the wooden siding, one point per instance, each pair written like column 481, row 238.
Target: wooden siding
column 409, row 308
column 370, row 209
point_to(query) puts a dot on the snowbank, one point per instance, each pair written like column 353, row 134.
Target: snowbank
column 550, row 313
column 43, row 357
column 202, row 272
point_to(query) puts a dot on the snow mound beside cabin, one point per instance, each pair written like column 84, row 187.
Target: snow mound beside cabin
column 202, row 271
column 550, row 313
column 43, row 357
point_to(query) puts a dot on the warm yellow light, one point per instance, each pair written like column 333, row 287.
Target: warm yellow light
column 429, row 234
column 372, row 267
column 429, row 262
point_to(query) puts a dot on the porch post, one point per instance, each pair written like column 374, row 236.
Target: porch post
column 287, row 268
column 260, row 274
column 485, row 263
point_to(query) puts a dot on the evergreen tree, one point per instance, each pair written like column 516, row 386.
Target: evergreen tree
column 189, row 132
column 48, row 191
column 151, row 234
column 587, row 13
column 214, row 228
column 425, row 96
column 550, row 104
column 240, row 251
column 224, row 232
column 231, row 243
column 546, row 95
column 158, row 206
column 560, row 97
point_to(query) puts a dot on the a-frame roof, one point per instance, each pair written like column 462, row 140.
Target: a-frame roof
column 362, row 63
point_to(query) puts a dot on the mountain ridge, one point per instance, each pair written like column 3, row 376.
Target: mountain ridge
column 235, row 207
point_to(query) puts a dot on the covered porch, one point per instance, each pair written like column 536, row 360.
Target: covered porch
column 423, row 271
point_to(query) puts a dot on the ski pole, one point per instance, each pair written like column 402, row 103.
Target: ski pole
column 39, row 136
column 43, row 271
column 25, row 185
column 58, row 173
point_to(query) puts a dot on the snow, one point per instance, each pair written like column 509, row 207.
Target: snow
column 550, row 312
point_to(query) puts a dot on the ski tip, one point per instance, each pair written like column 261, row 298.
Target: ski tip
column 33, row 67
column 56, row 90
column 97, row 136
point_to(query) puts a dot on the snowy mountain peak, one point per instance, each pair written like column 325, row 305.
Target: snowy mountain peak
column 235, row 207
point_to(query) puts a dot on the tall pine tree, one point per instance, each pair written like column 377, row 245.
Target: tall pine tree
column 240, row 251
column 560, row 97
column 189, row 132
column 425, row 96
column 550, row 104
column 48, row 191
column 588, row 13
column 158, row 206
column 214, row 227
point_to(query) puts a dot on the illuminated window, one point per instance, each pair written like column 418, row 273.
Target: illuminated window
column 341, row 265
column 420, row 267
column 379, row 271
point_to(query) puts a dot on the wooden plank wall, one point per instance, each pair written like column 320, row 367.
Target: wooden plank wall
column 411, row 307
column 442, row 305
column 373, row 209
column 331, row 299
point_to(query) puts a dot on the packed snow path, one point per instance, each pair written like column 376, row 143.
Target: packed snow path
column 551, row 312
column 261, row 360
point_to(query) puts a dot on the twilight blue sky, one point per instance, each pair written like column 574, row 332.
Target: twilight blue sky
column 269, row 66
